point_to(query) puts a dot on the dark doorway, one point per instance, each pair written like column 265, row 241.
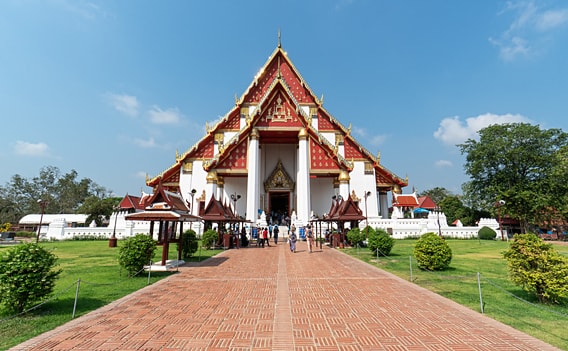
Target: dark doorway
column 279, row 205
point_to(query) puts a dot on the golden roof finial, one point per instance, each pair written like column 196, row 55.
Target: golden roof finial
column 177, row 154
column 321, row 99
column 349, row 129
column 147, row 178
column 206, row 127
column 379, row 156
column 236, row 100
column 279, row 39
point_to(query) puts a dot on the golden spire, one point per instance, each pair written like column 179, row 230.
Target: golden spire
column 321, row 100
column 349, row 129
column 177, row 154
column 279, row 39
column 379, row 156
column 236, row 100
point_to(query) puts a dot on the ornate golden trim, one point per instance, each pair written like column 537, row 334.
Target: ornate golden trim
column 279, row 179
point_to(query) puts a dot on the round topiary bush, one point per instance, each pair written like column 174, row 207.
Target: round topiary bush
column 432, row 252
column 486, row 233
column 26, row 276
column 136, row 252
column 380, row 242
column 356, row 237
column 190, row 244
column 209, row 238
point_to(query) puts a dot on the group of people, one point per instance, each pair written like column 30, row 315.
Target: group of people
column 266, row 234
column 273, row 231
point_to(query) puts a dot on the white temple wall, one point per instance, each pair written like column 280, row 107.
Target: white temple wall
column 236, row 186
column 321, row 193
column 360, row 183
column 196, row 179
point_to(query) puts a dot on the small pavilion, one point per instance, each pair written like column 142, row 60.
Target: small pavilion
column 169, row 211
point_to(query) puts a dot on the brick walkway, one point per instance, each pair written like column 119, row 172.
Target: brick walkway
column 272, row 299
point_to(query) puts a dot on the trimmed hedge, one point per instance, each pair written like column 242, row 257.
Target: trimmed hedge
column 432, row 252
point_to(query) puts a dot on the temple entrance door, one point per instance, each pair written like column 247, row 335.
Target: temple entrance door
column 279, row 205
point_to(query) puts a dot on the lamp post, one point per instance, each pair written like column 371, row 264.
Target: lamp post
column 498, row 204
column 367, row 194
column 42, row 204
column 438, row 209
column 235, row 197
column 112, row 240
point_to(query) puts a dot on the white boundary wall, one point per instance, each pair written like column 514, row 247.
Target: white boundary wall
column 400, row 228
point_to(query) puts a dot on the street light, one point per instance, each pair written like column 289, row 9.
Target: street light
column 191, row 194
column 438, row 209
column 42, row 204
column 235, row 198
column 498, row 204
column 367, row 194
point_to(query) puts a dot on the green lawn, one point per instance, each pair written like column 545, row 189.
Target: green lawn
column 460, row 283
column 101, row 282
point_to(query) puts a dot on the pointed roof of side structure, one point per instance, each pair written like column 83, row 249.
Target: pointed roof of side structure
column 164, row 205
column 426, row 202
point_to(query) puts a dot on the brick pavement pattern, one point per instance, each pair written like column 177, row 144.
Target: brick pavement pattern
column 273, row 299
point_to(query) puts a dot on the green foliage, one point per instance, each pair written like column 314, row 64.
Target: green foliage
column 98, row 209
column 432, row 252
column 356, row 236
column 136, row 252
column 190, row 243
column 209, row 238
column 380, row 242
column 24, row 234
column 537, row 268
column 486, row 233
column 520, row 164
column 27, row 276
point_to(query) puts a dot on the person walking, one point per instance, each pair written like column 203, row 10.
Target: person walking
column 265, row 237
column 292, row 238
column 310, row 235
column 275, row 231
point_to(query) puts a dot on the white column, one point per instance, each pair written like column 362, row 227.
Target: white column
column 344, row 184
column 384, row 204
column 211, row 186
column 303, row 181
column 253, row 181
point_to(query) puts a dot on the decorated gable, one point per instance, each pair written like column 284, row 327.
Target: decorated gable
column 236, row 158
column 352, row 150
column 279, row 112
column 320, row 159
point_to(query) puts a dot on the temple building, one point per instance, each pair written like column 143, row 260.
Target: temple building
column 280, row 154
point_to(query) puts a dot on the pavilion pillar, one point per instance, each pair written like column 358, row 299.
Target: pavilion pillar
column 303, row 181
column 383, row 204
column 253, row 180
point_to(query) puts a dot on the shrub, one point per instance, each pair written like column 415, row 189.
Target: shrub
column 136, row 252
column 190, row 244
column 486, row 233
column 537, row 268
column 210, row 237
column 432, row 252
column 356, row 236
column 380, row 242
column 26, row 276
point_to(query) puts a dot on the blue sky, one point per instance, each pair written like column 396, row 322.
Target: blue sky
column 112, row 89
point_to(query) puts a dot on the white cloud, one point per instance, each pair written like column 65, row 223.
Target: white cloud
column 30, row 149
column 169, row 116
column 141, row 174
column 453, row 131
column 373, row 140
column 126, row 104
column 524, row 35
column 145, row 143
column 444, row 163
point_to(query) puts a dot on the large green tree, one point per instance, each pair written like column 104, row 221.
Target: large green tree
column 437, row 194
column 519, row 164
column 62, row 193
